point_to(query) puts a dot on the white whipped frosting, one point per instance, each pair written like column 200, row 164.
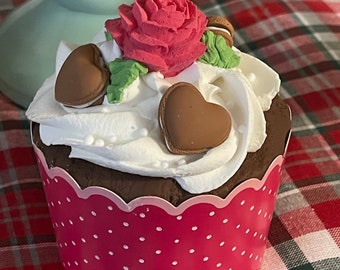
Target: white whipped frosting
column 127, row 136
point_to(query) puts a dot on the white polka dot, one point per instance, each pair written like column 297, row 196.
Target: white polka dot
column 158, row 251
column 159, row 229
column 76, row 263
column 265, row 214
column 261, row 236
column 59, row 202
column 56, row 180
column 110, row 208
column 142, row 215
column 125, row 224
column 62, row 224
column 205, row 259
column 270, row 192
column 174, row 263
column 68, row 199
column 238, row 226
column 209, row 236
column 86, row 261
column 65, row 244
column 70, row 221
column 142, row 239
column 179, row 217
column 243, row 252
column 222, row 244
column 191, row 251
column 110, row 253
column 225, row 220
column 234, row 248
column 212, row 213
column 93, row 213
column 95, row 236
column 109, row 231
column 68, row 263
column 218, row 265
column 256, row 258
column 247, row 231
column 252, row 208
column 81, row 218
column 97, row 257
column 251, row 255
column 264, row 188
column 176, row 241
column 83, row 240
column 194, row 228
column 125, row 246
column 259, row 212
column 243, row 202
column 52, row 204
column 73, row 243
column 141, row 261
column 125, row 268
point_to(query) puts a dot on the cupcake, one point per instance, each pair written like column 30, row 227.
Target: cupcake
column 160, row 145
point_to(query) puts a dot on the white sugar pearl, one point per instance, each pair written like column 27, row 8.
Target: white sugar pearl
column 222, row 244
column 126, row 224
column 234, row 248
column 194, row 228
column 191, row 251
column 111, row 253
column 212, row 213
column 205, row 259
column 143, row 132
column 174, row 263
column 99, row 142
column 142, row 215
column 209, row 236
column 242, row 129
column 141, row 261
column 176, row 241
column 97, row 257
column 95, row 236
column 142, row 239
column 179, row 217
column 125, row 246
column 110, row 208
column 158, row 251
column 243, row 202
column 251, row 77
column 89, row 139
column 93, row 213
column 159, row 229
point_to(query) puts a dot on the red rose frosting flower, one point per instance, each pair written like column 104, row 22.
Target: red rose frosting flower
column 165, row 35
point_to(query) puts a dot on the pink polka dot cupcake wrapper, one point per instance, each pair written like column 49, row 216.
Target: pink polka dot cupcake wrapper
column 96, row 229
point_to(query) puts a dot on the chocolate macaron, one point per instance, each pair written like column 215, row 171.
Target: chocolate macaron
column 83, row 78
column 221, row 26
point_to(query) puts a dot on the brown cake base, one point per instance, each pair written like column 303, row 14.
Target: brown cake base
column 131, row 186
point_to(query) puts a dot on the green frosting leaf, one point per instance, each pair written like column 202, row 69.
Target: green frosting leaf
column 108, row 36
column 218, row 53
column 123, row 73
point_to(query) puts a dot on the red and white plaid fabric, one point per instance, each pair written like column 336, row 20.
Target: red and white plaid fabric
column 300, row 40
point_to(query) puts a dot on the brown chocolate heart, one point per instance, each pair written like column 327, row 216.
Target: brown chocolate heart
column 189, row 123
column 83, row 77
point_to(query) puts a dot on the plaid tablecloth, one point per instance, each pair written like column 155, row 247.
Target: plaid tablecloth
column 301, row 41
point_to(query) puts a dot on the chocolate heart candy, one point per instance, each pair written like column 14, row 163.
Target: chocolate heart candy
column 222, row 26
column 83, row 78
column 189, row 123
